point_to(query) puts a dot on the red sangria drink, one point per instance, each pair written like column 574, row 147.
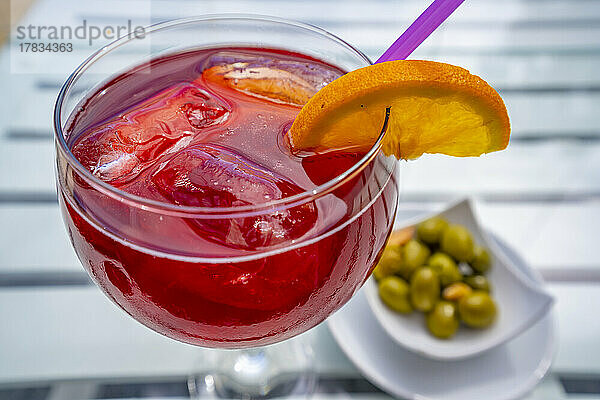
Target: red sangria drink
column 185, row 203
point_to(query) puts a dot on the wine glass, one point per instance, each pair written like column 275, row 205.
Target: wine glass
column 143, row 254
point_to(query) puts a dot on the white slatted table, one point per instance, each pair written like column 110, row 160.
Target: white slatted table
column 542, row 195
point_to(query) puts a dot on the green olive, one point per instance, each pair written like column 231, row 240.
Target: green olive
column 457, row 242
column 442, row 321
column 445, row 267
column 477, row 309
column 394, row 292
column 478, row 282
column 430, row 231
column 424, row 289
column 481, row 260
column 414, row 255
column 389, row 263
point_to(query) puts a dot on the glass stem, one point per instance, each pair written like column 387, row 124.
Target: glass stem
column 279, row 370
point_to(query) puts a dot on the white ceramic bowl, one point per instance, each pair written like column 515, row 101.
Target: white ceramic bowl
column 520, row 302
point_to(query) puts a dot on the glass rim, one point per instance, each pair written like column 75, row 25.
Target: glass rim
column 160, row 206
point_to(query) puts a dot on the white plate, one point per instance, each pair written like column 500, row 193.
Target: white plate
column 521, row 302
column 506, row 372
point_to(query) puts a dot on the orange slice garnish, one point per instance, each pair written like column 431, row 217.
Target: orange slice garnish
column 433, row 108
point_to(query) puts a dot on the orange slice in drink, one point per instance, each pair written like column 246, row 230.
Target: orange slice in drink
column 433, row 108
column 271, row 84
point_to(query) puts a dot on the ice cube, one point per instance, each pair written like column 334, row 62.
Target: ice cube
column 116, row 164
column 204, row 110
column 277, row 79
column 119, row 149
column 212, row 176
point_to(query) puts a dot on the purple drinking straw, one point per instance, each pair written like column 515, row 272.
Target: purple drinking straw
column 419, row 30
